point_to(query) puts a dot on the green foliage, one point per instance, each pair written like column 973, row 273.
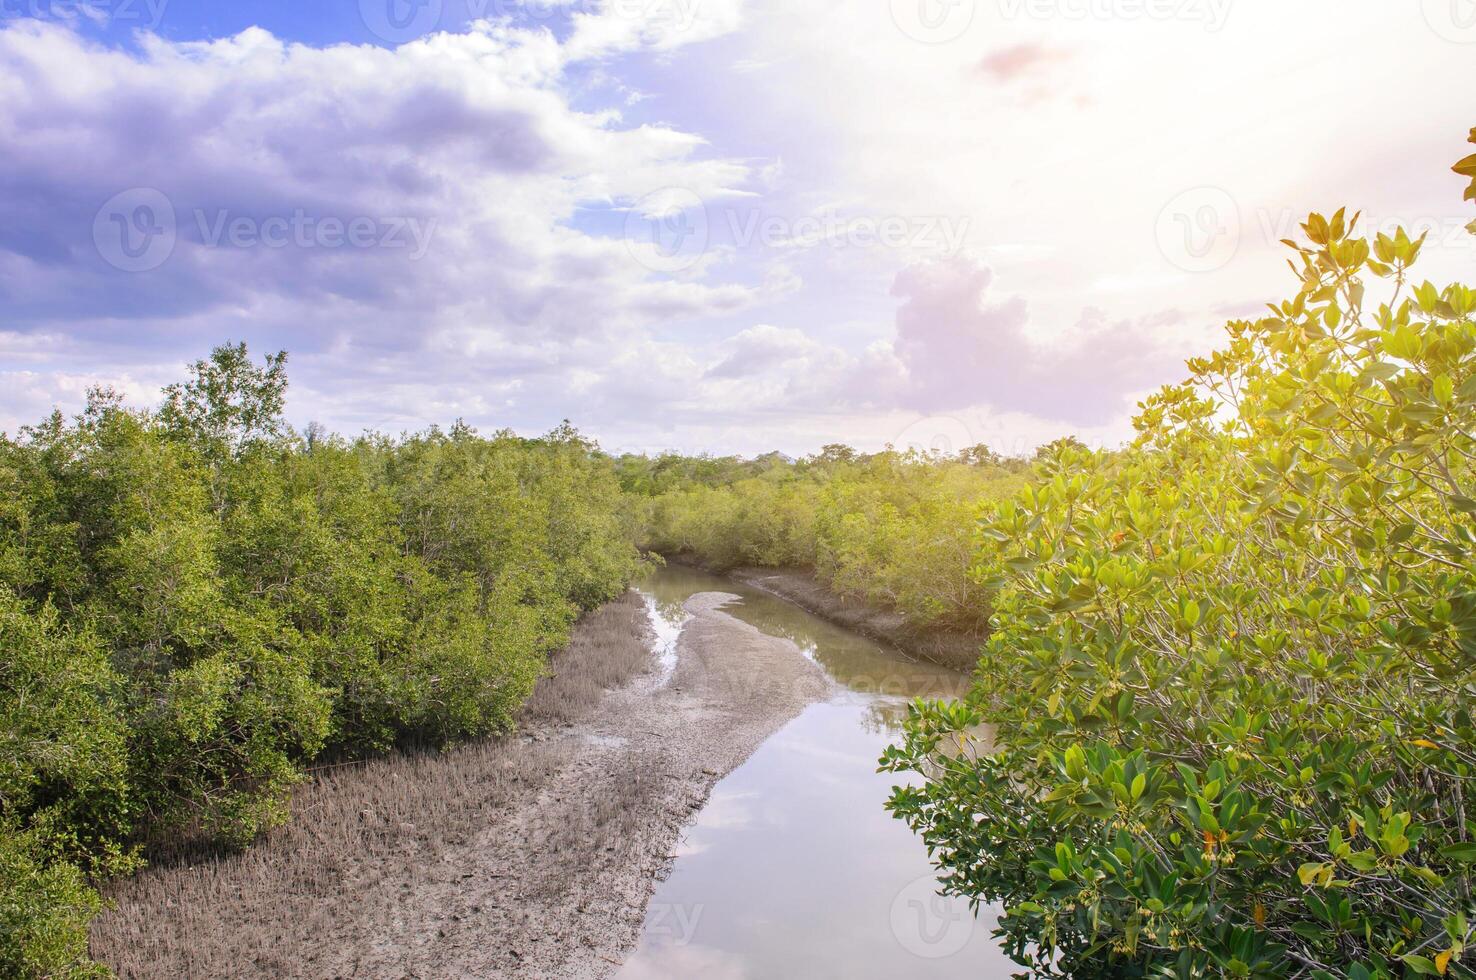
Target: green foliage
column 1232, row 666
column 45, row 906
column 1467, row 168
column 229, row 403
column 895, row 529
column 195, row 603
column 62, row 746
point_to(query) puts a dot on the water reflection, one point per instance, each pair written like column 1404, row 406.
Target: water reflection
column 667, row 619
column 863, row 666
column 794, row 868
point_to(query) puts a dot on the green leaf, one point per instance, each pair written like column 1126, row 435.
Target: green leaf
column 1444, row 391
column 1421, row 965
column 1464, row 853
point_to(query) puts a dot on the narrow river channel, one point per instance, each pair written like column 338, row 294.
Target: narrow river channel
column 794, row 869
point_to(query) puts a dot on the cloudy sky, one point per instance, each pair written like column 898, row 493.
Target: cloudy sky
column 727, row 225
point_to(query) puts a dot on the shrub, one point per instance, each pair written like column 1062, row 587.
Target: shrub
column 45, row 906
column 195, row 603
column 895, row 529
column 1232, row 666
column 63, row 767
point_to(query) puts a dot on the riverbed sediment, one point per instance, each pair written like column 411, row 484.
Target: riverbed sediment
column 954, row 649
column 534, row 855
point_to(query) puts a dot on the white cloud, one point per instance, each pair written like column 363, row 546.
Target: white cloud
column 465, row 147
column 659, row 25
column 1051, row 144
column 759, row 348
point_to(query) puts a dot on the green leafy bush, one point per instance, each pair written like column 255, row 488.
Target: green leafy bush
column 45, row 906
column 1232, row 666
column 896, row 529
column 195, row 603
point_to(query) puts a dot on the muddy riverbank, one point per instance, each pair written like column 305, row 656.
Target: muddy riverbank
column 531, row 856
column 955, row 650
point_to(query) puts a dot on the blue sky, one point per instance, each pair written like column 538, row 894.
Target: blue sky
column 730, row 225
column 195, row 20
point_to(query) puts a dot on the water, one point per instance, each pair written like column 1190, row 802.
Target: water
column 794, row 869
column 667, row 620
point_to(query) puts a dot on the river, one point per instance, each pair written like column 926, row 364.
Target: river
column 794, row 868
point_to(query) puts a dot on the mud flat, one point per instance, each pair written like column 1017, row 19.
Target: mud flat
column 955, row 650
column 530, row 856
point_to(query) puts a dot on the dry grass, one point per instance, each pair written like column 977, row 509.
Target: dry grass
column 271, row 909
column 608, row 649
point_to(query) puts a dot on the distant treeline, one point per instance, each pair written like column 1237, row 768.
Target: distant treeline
column 895, row 528
column 196, row 603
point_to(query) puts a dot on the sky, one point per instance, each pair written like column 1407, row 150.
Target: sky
column 730, row 226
